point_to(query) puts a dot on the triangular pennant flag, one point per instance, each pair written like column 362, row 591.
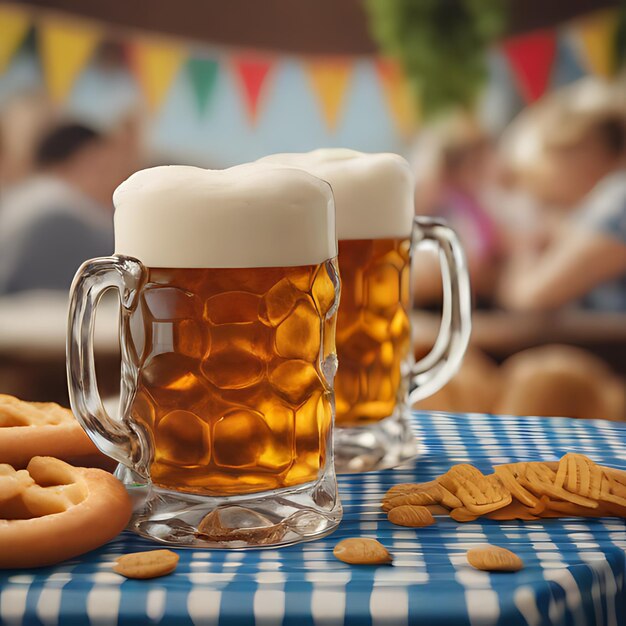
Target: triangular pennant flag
column 203, row 73
column 155, row 64
column 400, row 100
column 596, row 36
column 329, row 80
column 14, row 24
column 567, row 67
column 252, row 73
column 65, row 48
column 531, row 57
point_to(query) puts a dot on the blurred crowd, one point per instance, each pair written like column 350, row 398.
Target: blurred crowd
column 57, row 177
column 540, row 209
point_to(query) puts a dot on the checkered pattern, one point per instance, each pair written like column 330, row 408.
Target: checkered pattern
column 574, row 571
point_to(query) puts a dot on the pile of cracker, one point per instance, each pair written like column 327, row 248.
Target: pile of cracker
column 573, row 486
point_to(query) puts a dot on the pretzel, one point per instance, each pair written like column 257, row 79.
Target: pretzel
column 29, row 429
column 53, row 511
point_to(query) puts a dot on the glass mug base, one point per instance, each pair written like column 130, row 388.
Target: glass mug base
column 261, row 520
column 380, row 445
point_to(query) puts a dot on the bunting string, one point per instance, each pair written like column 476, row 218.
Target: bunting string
column 67, row 46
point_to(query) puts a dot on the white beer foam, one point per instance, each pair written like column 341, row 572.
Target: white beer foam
column 373, row 192
column 252, row 215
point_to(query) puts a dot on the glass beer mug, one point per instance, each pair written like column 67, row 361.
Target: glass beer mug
column 378, row 380
column 229, row 290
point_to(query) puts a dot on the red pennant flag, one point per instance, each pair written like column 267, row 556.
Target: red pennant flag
column 531, row 57
column 402, row 105
column 252, row 73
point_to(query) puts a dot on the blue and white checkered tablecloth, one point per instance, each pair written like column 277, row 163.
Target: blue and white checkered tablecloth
column 574, row 571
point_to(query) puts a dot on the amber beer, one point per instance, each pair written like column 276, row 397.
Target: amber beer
column 240, row 350
column 373, row 329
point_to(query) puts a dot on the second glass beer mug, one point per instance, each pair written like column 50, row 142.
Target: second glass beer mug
column 377, row 379
column 229, row 291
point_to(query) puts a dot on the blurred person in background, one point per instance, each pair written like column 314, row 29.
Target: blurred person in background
column 23, row 120
column 63, row 215
column 578, row 255
column 455, row 172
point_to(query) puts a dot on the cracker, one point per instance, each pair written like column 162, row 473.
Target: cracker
column 149, row 564
column 494, row 559
column 412, row 516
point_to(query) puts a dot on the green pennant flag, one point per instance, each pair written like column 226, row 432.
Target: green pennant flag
column 203, row 73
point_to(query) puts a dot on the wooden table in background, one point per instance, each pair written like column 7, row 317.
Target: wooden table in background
column 33, row 327
column 32, row 346
column 500, row 334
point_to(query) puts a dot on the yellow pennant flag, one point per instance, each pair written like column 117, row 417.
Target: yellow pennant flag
column 596, row 35
column 14, row 24
column 156, row 63
column 65, row 48
column 400, row 101
column 329, row 80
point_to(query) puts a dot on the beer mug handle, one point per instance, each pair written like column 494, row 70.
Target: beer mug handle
column 443, row 361
column 114, row 437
